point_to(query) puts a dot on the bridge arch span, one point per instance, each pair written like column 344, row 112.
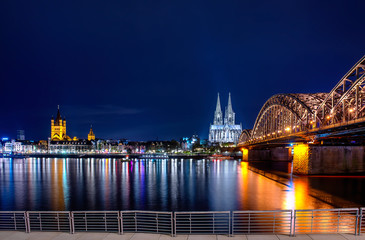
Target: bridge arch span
column 284, row 114
column 346, row 101
column 245, row 135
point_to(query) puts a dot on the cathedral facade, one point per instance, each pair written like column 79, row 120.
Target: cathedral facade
column 224, row 130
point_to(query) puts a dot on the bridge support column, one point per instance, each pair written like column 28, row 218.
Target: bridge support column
column 328, row 159
column 336, row 159
column 272, row 154
column 301, row 159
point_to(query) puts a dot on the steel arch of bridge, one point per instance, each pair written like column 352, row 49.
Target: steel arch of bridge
column 287, row 114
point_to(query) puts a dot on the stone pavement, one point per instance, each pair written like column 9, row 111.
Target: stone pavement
column 12, row 235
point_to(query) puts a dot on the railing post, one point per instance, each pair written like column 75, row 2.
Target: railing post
column 229, row 223
column 40, row 221
column 120, row 223
column 232, row 224
column 294, row 215
column 171, row 224
column 105, row 222
column 58, row 221
column 85, row 217
column 72, row 223
column 175, row 224
column 214, row 223
column 190, row 223
column 357, row 221
column 273, row 227
column 27, row 223
column 157, row 222
column 360, row 221
column 14, row 217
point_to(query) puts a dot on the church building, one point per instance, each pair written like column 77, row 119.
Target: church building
column 58, row 128
column 224, row 130
column 59, row 142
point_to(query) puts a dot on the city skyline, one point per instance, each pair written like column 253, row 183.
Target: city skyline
column 152, row 70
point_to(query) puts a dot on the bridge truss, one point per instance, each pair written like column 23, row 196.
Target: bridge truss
column 289, row 114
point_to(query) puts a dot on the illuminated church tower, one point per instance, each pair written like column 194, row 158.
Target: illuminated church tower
column 58, row 128
column 91, row 135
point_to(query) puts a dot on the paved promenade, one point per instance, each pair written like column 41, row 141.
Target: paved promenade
column 8, row 235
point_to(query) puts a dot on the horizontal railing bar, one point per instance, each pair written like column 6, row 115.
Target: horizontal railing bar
column 263, row 211
column 207, row 212
column 140, row 211
column 329, row 210
column 100, row 212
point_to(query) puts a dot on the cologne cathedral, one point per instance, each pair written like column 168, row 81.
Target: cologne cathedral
column 227, row 131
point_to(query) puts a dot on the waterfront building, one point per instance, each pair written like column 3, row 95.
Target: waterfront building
column 80, row 146
column 224, row 130
column 91, row 135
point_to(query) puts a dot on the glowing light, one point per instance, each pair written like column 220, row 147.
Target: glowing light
column 300, row 159
column 287, row 129
column 244, row 154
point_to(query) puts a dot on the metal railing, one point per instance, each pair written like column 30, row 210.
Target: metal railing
column 59, row 221
column 13, row 220
column 147, row 221
column 262, row 222
column 97, row 221
column 202, row 222
column 343, row 220
column 288, row 222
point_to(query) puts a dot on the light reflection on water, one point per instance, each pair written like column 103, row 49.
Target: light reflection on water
column 175, row 184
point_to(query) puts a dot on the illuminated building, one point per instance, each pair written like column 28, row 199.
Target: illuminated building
column 80, row 146
column 91, row 135
column 227, row 131
column 58, row 128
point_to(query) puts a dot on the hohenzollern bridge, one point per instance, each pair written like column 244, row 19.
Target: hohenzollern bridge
column 323, row 124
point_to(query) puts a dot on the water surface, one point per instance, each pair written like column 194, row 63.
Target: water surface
column 174, row 184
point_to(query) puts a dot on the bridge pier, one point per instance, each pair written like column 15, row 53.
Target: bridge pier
column 317, row 159
column 271, row 154
column 314, row 159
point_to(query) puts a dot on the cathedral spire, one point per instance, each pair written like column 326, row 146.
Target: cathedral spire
column 229, row 103
column 58, row 118
column 218, row 108
column 218, row 113
column 229, row 117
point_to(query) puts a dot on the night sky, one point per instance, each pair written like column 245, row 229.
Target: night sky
column 144, row 70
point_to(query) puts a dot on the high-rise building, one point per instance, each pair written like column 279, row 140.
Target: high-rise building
column 226, row 131
column 20, row 135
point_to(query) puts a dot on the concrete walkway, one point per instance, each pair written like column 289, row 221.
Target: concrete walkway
column 11, row 235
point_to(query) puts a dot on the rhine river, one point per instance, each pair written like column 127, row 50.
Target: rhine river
column 166, row 185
